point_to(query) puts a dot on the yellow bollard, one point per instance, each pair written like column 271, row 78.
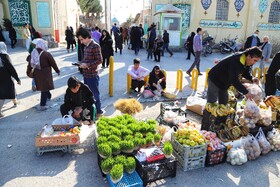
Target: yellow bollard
column 264, row 74
column 179, row 82
column 257, row 70
column 194, row 79
column 206, row 78
column 111, row 76
column 128, row 84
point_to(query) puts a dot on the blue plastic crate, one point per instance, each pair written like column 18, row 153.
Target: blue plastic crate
column 128, row 180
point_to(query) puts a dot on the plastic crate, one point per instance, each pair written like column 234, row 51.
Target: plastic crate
column 189, row 163
column 187, row 151
column 170, row 106
column 45, row 149
column 150, row 172
column 216, row 157
column 128, row 180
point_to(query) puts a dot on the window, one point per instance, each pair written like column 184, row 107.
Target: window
column 274, row 13
column 222, row 10
column 171, row 23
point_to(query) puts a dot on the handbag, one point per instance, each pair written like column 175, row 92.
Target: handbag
column 65, row 120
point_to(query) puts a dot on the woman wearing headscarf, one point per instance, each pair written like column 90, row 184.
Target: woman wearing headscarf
column 157, row 77
column 7, row 71
column 40, row 64
column 106, row 44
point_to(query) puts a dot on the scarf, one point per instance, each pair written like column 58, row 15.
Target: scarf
column 3, row 50
column 35, row 56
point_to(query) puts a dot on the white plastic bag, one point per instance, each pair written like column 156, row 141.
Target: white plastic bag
column 167, row 135
column 65, row 120
column 256, row 91
column 237, row 156
column 266, row 116
column 274, row 139
column 251, row 113
column 251, row 147
column 264, row 144
column 47, row 131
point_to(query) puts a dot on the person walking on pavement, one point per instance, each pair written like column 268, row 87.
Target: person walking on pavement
column 13, row 36
column 266, row 52
column 92, row 58
column 106, row 44
column 190, row 45
column 69, row 39
column 26, row 35
column 252, row 41
column 227, row 72
column 96, row 35
column 197, row 48
column 158, row 48
column 137, row 39
column 40, row 64
column 142, row 34
column 166, row 43
column 119, row 41
column 270, row 83
column 7, row 71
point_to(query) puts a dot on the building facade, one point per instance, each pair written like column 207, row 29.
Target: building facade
column 50, row 17
column 228, row 18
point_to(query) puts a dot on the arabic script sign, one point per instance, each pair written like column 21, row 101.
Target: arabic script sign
column 268, row 26
column 220, row 24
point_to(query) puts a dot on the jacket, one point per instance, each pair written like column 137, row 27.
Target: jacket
column 228, row 72
column 166, row 37
column 266, row 50
column 248, row 42
column 83, row 98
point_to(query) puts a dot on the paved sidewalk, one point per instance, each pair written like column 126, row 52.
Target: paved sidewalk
column 19, row 165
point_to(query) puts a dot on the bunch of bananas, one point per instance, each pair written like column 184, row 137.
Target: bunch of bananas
column 233, row 133
column 273, row 101
column 219, row 110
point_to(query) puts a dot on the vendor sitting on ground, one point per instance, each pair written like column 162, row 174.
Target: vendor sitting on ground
column 228, row 72
column 157, row 78
column 78, row 99
column 137, row 73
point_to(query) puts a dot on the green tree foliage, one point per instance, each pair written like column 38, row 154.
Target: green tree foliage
column 91, row 6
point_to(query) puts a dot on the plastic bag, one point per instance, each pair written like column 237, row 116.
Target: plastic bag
column 65, row 120
column 167, row 135
column 274, row 139
column 256, row 91
column 237, row 156
column 170, row 116
column 148, row 94
column 266, row 117
column 47, row 131
column 251, row 147
column 264, row 144
column 251, row 113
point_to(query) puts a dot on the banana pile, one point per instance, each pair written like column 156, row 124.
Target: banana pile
column 219, row 110
column 273, row 101
column 232, row 131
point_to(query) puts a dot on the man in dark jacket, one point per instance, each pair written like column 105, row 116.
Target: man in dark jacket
column 79, row 99
column 252, row 41
column 166, row 43
column 13, row 36
column 228, row 72
column 270, row 83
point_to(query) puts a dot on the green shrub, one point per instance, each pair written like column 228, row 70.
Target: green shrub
column 114, row 138
column 107, row 164
column 101, row 139
column 130, row 165
column 104, row 149
column 157, row 137
column 120, row 159
column 127, row 145
column 116, row 172
column 167, row 148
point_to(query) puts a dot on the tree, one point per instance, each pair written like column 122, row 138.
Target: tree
column 91, row 6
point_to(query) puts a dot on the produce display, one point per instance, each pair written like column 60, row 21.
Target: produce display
column 214, row 142
column 189, row 137
column 237, row 156
column 256, row 91
column 232, row 131
column 264, row 144
column 273, row 101
column 219, row 110
column 274, row 139
column 266, row 117
column 251, row 147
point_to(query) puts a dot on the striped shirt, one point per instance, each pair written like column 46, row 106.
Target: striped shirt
column 92, row 57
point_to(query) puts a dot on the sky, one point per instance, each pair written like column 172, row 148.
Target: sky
column 122, row 9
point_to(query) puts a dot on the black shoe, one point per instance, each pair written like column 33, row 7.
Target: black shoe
column 189, row 73
column 200, row 74
column 171, row 55
column 187, row 58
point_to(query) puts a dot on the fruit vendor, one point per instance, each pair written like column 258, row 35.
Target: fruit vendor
column 80, row 100
column 227, row 72
column 270, row 84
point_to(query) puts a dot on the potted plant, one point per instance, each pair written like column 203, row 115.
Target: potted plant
column 120, row 159
column 116, row 173
column 143, row 143
column 137, row 143
column 116, row 148
column 101, row 139
column 107, row 164
column 138, row 135
column 104, row 150
column 167, row 149
column 126, row 132
column 130, row 165
column 127, row 146
column 149, row 140
column 114, row 138
column 157, row 139
column 104, row 133
column 116, row 132
column 129, row 137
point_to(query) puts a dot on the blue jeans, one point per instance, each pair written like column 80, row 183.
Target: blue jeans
column 165, row 46
column 93, row 84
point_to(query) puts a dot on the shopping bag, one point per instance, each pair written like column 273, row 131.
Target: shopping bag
column 65, row 120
